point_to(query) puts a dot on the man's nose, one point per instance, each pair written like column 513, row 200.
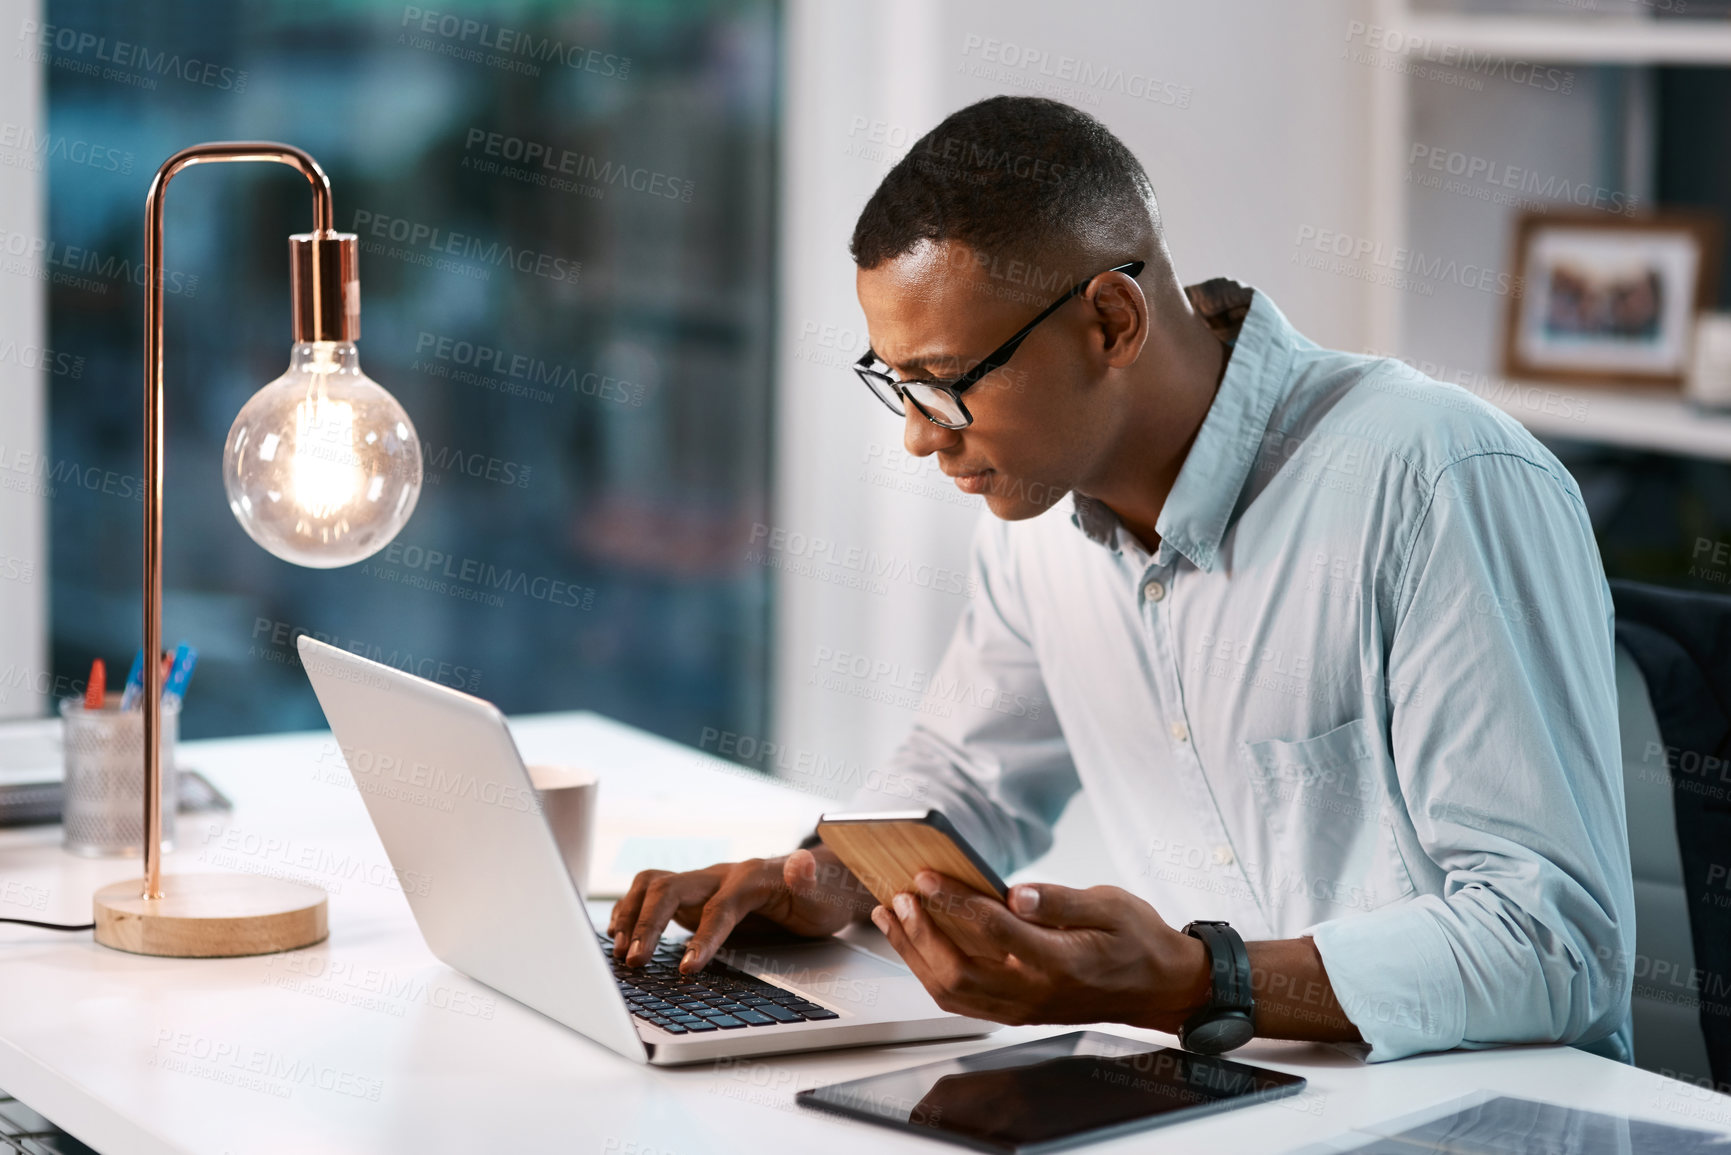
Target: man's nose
column 923, row 437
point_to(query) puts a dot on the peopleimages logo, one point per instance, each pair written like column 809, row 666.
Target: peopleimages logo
column 809, row 555
column 417, row 235
column 252, row 1068
column 63, row 264
column 508, row 45
column 1068, row 75
column 471, row 578
column 1485, row 179
column 478, row 465
column 1396, row 265
column 544, row 164
column 36, row 357
column 281, row 638
column 1464, row 67
column 971, row 160
column 47, row 39
column 33, row 473
column 882, row 680
column 532, row 371
column 32, row 148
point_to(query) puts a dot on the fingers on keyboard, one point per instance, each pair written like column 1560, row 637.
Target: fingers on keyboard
column 715, row 998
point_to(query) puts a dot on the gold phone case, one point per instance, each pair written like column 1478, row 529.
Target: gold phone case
column 885, row 852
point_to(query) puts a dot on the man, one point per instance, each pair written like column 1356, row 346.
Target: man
column 1328, row 643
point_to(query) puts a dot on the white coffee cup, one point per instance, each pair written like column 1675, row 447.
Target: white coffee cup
column 568, row 800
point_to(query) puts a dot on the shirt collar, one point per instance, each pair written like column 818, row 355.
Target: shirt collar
column 1196, row 513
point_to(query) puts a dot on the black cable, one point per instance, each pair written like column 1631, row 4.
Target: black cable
column 51, row 925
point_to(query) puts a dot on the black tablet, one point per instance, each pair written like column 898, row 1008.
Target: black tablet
column 1053, row 1093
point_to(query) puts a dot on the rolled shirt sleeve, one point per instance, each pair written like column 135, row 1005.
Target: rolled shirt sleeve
column 1510, row 770
column 988, row 753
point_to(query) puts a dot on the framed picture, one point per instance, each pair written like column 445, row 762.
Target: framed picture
column 1608, row 299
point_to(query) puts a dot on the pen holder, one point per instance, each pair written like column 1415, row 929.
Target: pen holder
column 103, row 811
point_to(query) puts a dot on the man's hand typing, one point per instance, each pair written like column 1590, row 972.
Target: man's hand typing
column 808, row 892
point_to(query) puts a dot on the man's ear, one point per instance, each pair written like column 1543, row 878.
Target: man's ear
column 1121, row 318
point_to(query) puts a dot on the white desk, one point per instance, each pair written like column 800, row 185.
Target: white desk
column 366, row 1043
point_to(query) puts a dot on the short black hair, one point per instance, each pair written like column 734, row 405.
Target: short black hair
column 1010, row 174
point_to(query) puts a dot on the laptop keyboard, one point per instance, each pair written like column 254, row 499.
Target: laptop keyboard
column 716, row 998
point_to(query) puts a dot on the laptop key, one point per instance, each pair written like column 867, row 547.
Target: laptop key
column 814, row 1014
column 779, row 1014
column 754, row 1018
column 726, row 1023
column 699, row 1026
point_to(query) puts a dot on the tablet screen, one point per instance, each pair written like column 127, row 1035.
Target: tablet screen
column 1052, row 1093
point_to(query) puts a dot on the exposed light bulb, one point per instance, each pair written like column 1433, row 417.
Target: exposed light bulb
column 327, row 472
column 322, row 465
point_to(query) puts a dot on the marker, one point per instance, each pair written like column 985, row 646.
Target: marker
column 96, row 689
column 174, row 688
column 134, row 683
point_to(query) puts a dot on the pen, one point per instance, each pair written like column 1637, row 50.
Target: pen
column 134, row 683
column 185, row 658
column 135, row 680
column 96, row 689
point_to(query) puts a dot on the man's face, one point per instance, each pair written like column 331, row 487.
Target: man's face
column 1039, row 421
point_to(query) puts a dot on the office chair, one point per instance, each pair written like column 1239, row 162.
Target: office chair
column 1673, row 680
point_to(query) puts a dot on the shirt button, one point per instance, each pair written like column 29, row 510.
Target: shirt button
column 1223, row 855
column 1154, row 591
column 1180, row 731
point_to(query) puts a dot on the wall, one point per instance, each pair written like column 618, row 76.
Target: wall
column 1256, row 131
column 23, row 432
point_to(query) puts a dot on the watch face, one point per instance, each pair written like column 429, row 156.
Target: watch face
column 1224, row 1032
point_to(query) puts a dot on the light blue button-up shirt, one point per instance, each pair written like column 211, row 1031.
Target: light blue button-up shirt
column 1363, row 690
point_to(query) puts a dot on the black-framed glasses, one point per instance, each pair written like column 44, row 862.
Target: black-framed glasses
column 941, row 400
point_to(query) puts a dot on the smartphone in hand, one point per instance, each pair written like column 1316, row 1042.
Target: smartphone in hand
column 886, row 849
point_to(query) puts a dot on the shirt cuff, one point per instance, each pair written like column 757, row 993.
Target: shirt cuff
column 1396, row 978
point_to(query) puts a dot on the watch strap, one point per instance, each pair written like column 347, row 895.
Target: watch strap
column 1230, row 961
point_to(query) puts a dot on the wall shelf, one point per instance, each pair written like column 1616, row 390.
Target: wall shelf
column 1577, row 40
column 1653, row 420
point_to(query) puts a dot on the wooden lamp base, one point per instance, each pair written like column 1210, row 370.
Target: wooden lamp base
column 211, row 916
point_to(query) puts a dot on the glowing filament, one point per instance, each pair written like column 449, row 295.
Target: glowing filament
column 327, row 472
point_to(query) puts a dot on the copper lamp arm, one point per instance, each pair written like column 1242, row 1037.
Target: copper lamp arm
column 323, row 223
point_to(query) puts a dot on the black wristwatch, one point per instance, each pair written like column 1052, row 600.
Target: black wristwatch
column 1225, row 1023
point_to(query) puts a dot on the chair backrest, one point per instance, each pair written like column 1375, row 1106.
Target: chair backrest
column 1666, row 1007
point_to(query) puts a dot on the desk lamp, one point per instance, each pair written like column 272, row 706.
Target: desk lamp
column 322, row 468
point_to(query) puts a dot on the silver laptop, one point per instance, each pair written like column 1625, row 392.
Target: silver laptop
column 452, row 802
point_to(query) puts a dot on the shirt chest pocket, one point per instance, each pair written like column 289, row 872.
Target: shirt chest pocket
column 1330, row 845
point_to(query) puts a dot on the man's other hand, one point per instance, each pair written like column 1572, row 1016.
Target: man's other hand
column 808, row 892
column 1052, row 955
